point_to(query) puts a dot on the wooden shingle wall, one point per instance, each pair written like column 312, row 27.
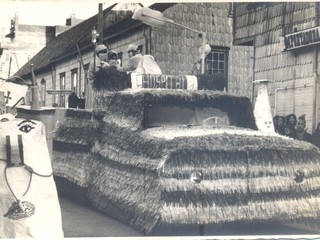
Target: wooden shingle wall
column 240, row 71
column 292, row 72
column 176, row 49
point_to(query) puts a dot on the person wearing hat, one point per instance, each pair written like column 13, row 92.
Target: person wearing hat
column 112, row 58
column 134, row 59
column 100, row 61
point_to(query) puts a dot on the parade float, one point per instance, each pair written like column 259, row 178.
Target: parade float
column 159, row 150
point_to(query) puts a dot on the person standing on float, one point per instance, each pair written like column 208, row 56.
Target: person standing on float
column 134, row 59
column 100, row 61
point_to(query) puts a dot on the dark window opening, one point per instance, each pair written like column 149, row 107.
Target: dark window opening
column 43, row 91
column 62, row 77
column 192, row 115
column 75, row 86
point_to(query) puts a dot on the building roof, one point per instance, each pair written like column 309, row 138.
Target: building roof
column 60, row 45
column 65, row 44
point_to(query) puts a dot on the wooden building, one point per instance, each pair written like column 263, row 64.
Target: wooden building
column 285, row 37
column 63, row 63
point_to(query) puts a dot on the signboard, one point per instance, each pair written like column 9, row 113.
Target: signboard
column 13, row 92
column 187, row 82
column 300, row 39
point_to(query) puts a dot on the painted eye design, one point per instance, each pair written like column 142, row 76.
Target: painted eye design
column 26, row 126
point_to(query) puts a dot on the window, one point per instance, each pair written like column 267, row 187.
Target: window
column 120, row 56
column 175, row 115
column 43, row 91
column 140, row 49
column 86, row 69
column 75, row 81
column 62, row 77
column 217, row 62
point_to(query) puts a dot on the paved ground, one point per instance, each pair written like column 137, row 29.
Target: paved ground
column 80, row 221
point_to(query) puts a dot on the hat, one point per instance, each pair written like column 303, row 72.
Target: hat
column 132, row 47
column 112, row 55
column 100, row 48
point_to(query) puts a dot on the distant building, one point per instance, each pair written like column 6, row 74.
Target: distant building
column 25, row 41
column 63, row 63
column 286, row 40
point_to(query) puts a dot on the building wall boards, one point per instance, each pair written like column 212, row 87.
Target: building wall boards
column 176, row 49
column 285, row 40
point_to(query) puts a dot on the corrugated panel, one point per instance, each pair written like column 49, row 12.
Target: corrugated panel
column 304, row 104
column 284, row 101
column 297, row 100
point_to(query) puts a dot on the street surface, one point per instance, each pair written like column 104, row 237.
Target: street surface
column 82, row 221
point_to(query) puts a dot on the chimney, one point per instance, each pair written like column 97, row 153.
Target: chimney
column 71, row 21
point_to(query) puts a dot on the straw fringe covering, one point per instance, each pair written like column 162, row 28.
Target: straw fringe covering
column 142, row 176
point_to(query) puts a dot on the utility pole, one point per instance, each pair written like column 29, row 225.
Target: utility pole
column 100, row 24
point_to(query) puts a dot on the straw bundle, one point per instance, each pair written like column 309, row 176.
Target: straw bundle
column 211, row 82
column 142, row 177
column 78, row 123
column 81, row 175
column 128, row 194
column 72, row 145
column 129, row 105
column 111, row 79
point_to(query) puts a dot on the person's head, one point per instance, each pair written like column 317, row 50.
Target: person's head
column 132, row 50
column 101, row 51
column 112, row 55
column 301, row 123
column 112, row 58
column 288, row 130
column 280, row 121
column 291, row 119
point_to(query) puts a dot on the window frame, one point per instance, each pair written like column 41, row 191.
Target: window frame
column 62, row 86
column 219, row 51
column 75, row 82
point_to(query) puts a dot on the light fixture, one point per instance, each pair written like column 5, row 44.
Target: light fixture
column 196, row 177
column 94, row 35
column 155, row 18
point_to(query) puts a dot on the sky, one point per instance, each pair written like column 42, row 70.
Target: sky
column 48, row 12
column 55, row 12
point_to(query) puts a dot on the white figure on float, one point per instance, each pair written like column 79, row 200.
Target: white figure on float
column 262, row 110
column 29, row 205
